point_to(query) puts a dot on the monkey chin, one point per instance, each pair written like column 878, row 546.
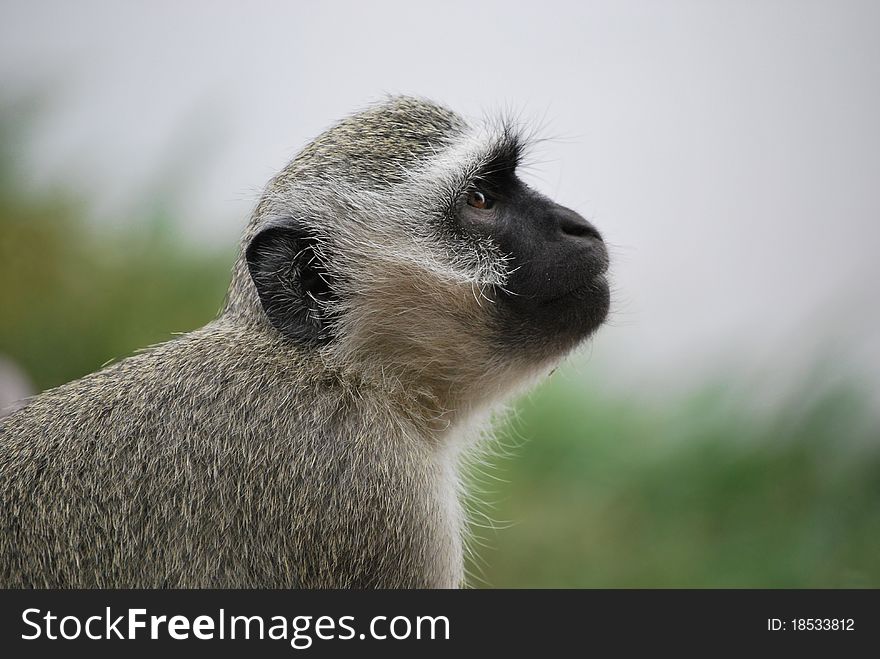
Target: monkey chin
column 544, row 331
column 588, row 307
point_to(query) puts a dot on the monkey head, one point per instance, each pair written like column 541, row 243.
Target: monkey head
column 401, row 245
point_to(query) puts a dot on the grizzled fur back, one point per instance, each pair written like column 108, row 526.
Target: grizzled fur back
column 238, row 470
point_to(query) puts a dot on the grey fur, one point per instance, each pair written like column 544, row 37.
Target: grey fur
column 233, row 457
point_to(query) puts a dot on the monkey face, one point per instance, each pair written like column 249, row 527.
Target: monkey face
column 380, row 244
column 556, row 292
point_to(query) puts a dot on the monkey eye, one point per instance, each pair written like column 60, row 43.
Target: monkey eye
column 479, row 200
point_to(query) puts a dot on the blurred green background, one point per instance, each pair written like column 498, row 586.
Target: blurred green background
column 582, row 490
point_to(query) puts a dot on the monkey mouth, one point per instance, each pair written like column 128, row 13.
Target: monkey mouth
column 597, row 285
column 576, row 293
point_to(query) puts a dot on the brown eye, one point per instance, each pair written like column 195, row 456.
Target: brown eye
column 477, row 199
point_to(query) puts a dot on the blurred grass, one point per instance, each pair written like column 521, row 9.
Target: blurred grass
column 596, row 492
column 604, row 493
column 75, row 294
column 73, row 299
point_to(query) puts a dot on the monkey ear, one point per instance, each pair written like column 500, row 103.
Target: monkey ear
column 292, row 282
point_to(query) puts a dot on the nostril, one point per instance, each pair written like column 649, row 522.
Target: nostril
column 578, row 227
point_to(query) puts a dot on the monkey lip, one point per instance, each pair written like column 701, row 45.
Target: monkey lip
column 595, row 285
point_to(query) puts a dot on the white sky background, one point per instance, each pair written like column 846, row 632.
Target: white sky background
column 729, row 151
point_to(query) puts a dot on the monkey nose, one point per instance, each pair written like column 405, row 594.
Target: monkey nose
column 571, row 224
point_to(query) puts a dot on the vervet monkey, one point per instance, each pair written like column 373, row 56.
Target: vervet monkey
column 396, row 282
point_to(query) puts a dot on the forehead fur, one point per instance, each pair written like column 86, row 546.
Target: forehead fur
column 387, row 143
column 380, row 144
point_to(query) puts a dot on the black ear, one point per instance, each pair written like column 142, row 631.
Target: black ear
column 292, row 282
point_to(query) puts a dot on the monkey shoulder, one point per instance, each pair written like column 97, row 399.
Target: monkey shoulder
column 219, row 381
column 232, row 438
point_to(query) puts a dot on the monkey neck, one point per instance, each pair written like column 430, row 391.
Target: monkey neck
column 439, row 378
column 449, row 397
column 361, row 387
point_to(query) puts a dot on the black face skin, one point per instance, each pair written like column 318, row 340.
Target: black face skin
column 557, row 293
